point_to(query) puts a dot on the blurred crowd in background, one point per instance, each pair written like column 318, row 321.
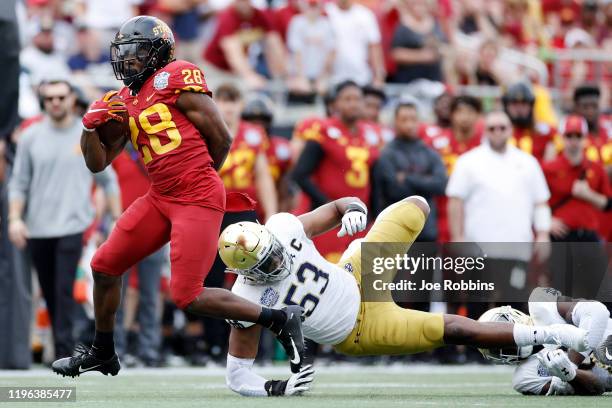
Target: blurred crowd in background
column 324, row 99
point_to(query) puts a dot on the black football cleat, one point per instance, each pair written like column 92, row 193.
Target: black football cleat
column 83, row 361
column 292, row 338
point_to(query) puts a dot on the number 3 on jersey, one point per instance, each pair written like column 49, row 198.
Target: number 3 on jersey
column 165, row 124
column 308, row 301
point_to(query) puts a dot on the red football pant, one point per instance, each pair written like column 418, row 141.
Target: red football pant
column 150, row 223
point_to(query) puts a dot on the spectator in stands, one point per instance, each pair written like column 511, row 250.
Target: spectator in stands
column 359, row 54
column 106, row 16
column 417, row 43
column 407, row 166
column 40, row 59
column 498, row 193
column 337, row 159
column 184, row 17
column 245, row 47
column 90, row 51
column 245, row 169
column 604, row 37
column 311, row 42
column 580, row 190
column 50, row 204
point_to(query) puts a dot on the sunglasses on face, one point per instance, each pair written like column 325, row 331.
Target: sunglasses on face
column 497, row 128
column 50, row 98
column 573, row 135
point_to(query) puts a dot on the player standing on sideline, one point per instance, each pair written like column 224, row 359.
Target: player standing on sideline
column 183, row 140
column 529, row 136
column 278, row 265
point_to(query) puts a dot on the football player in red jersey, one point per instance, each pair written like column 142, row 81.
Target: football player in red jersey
column 259, row 111
column 374, row 100
column 441, row 109
column 598, row 144
column 246, row 168
column 534, row 138
column 183, row 141
column 337, row 161
column 464, row 134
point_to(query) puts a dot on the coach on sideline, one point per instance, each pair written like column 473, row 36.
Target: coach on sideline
column 497, row 194
column 50, row 203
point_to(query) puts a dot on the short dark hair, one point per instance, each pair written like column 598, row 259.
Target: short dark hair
column 467, row 100
column 405, row 105
column 229, row 92
column 341, row 86
column 586, row 90
column 371, row 90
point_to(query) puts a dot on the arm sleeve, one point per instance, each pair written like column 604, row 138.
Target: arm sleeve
column 107, row 179
column 431, row 184
column 371, row 27
column 459, row 182
column 306, row 165
column 185, row 77
column 19, row 185
column 240, row 379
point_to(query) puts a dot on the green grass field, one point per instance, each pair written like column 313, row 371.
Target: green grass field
column 337, row 387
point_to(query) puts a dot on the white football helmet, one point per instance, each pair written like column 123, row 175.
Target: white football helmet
column 249, row 249
column 506, row 355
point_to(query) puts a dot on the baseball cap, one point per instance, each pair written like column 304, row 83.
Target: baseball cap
column 574, row 124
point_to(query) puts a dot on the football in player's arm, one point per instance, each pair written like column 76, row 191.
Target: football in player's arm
column 553, row 371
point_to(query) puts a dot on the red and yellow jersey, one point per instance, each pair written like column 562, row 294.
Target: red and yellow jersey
column 172, row 148
column 450, row 148
column 429, row 131
column 575, row 213
column 238, row 170
column 345, row 168
column 309, row 128
column 279, row 156
column 534, row 141
column 599, row 145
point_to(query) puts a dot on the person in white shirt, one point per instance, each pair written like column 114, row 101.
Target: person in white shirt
column 498, row 194
column 359, row 54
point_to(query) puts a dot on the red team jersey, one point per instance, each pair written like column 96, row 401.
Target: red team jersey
column 344, row 171
column 279, row 156
column 450, row 149
column 238, row 170
column 172, row 149
column 534, row 141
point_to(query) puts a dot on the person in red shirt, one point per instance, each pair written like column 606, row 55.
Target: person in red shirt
column 259, row 111
column 580, row 193
column 178, row 131
column 464, row 134
column 336, row 162
column 534, row 138
column 441, row 110
column 579, row 187
column 246, row 167
column 374, row 101
column 239, row 27
column 599, row 141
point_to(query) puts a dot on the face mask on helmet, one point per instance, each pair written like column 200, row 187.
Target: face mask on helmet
column 506, row 355
column 133, row 61
column 274, row 265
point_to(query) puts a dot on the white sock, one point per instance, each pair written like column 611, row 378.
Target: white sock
column 592, row 317
column 525, row 335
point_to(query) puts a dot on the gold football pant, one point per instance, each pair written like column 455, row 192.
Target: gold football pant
column 382, row 327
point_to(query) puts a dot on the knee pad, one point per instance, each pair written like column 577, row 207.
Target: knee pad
column 433, row 329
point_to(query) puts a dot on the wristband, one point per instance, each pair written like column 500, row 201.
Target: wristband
column 275, row 388
column 356, row 206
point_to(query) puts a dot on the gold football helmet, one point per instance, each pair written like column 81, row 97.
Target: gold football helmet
column 506, row 355
column 249, row 249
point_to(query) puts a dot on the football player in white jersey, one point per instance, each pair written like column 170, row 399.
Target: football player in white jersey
column 550, row 370
column 278, row 265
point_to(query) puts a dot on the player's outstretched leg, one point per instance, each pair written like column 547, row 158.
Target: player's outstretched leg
column 465, row 331
column 286, row 323
column 101, row 355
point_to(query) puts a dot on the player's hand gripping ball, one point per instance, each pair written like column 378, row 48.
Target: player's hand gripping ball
column 109, row 116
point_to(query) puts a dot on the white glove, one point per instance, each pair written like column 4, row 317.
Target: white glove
column 558, row 364
column 354, row 220
column 300, row 381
